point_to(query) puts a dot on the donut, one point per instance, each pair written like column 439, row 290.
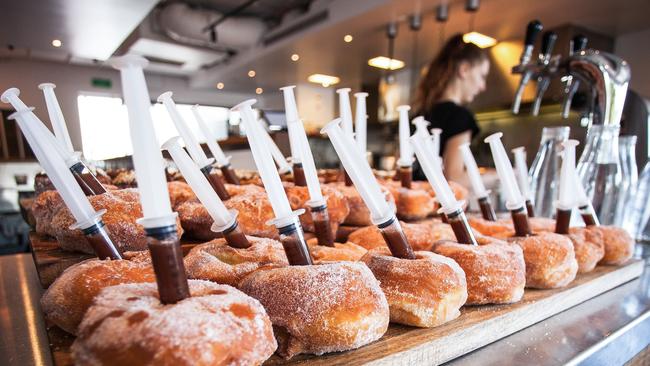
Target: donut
column 320, row 308
column 588, row 246
column 422, row 292
column 495, row 270
column 65, row 302
column 420, row 236
column 619, row 245
column 122, row 210
column 217, row 262
column 412, row 204
column 550, row 260
column 340, row 252
column 503, row 228
column 217, row 325
column 337, row 206
column 179, row 192
column 359, row 215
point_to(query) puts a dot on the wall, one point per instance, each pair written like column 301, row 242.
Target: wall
column 71, row 80
column 633, row 47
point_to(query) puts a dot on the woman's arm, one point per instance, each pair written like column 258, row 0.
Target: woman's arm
column 453, row 160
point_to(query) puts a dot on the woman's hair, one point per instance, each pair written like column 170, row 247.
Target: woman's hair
column 442, row 70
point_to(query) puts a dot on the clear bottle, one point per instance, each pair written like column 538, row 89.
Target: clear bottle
column 545, row 170
column 630, row 177
column 599, row 170
column 640, row 216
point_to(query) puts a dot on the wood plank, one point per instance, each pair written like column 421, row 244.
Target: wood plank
column 476, row 327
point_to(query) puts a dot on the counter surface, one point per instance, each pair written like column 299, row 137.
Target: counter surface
column 608, row 329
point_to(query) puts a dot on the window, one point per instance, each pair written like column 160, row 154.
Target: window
column 105, row 126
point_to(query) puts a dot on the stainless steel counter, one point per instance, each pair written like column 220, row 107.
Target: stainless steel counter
column 606, row 330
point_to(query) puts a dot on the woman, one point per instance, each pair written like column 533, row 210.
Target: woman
column 455, row 77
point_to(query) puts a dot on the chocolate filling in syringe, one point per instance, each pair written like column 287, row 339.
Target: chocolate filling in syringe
column 562, row 221
column 487, row 211
column 461, row 228
column 229, row 174
column 215, row 182
column 322, row 225
column 530, row 209
column 167, row 261
column 294, row 244
column 87, row 180
column 406, row 176
column 299, row 175
column 520, row 222
column 346, row 178
column 588, row 216
column 101, row 242
column 395, row 239
column 235, row 236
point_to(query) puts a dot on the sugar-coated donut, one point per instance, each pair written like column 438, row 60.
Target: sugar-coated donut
column 504, row 228
column 412, row 204
column 217, row 325
column 320, row 308
column 359, row 214
column 122, row 210
column 217, row 262
column 495, row 270
column 550, row 260
column 422, row 292
column 337, row 205
column 619, row 245
column 65, row 302
column 588, row 246
column 421, row 236
column 340, row 252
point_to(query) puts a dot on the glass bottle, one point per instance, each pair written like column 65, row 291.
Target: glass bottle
column 640, row 216
column 545, row 171
column 599, row 170
column 629, row 179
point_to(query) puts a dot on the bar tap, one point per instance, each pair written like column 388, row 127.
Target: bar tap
column 576, row 45
column 525, row 68
column 544, row 61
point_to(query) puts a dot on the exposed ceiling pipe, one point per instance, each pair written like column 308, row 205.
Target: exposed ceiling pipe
column 185, row 25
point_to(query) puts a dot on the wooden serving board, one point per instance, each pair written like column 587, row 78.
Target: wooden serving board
column 476, row 327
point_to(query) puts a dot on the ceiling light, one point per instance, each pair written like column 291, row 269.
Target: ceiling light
column 386, row 63
column 251, row 73
column 479, row 39
column 220, row 85
column 348, row 38
column 324, row 80
column 56, row 43
column 259, row 91
column 295, row 57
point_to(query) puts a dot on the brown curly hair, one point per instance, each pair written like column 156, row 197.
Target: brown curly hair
column 442, row 70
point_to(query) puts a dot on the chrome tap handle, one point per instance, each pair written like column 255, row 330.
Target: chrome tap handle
column 548, row 42
column 543, row 79
column 533, row 29
column 542, row 86
column 578, row 43
column 525, row 78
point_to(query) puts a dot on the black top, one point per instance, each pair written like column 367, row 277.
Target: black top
column 452, row 119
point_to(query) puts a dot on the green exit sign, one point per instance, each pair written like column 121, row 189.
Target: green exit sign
column 102, row 83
